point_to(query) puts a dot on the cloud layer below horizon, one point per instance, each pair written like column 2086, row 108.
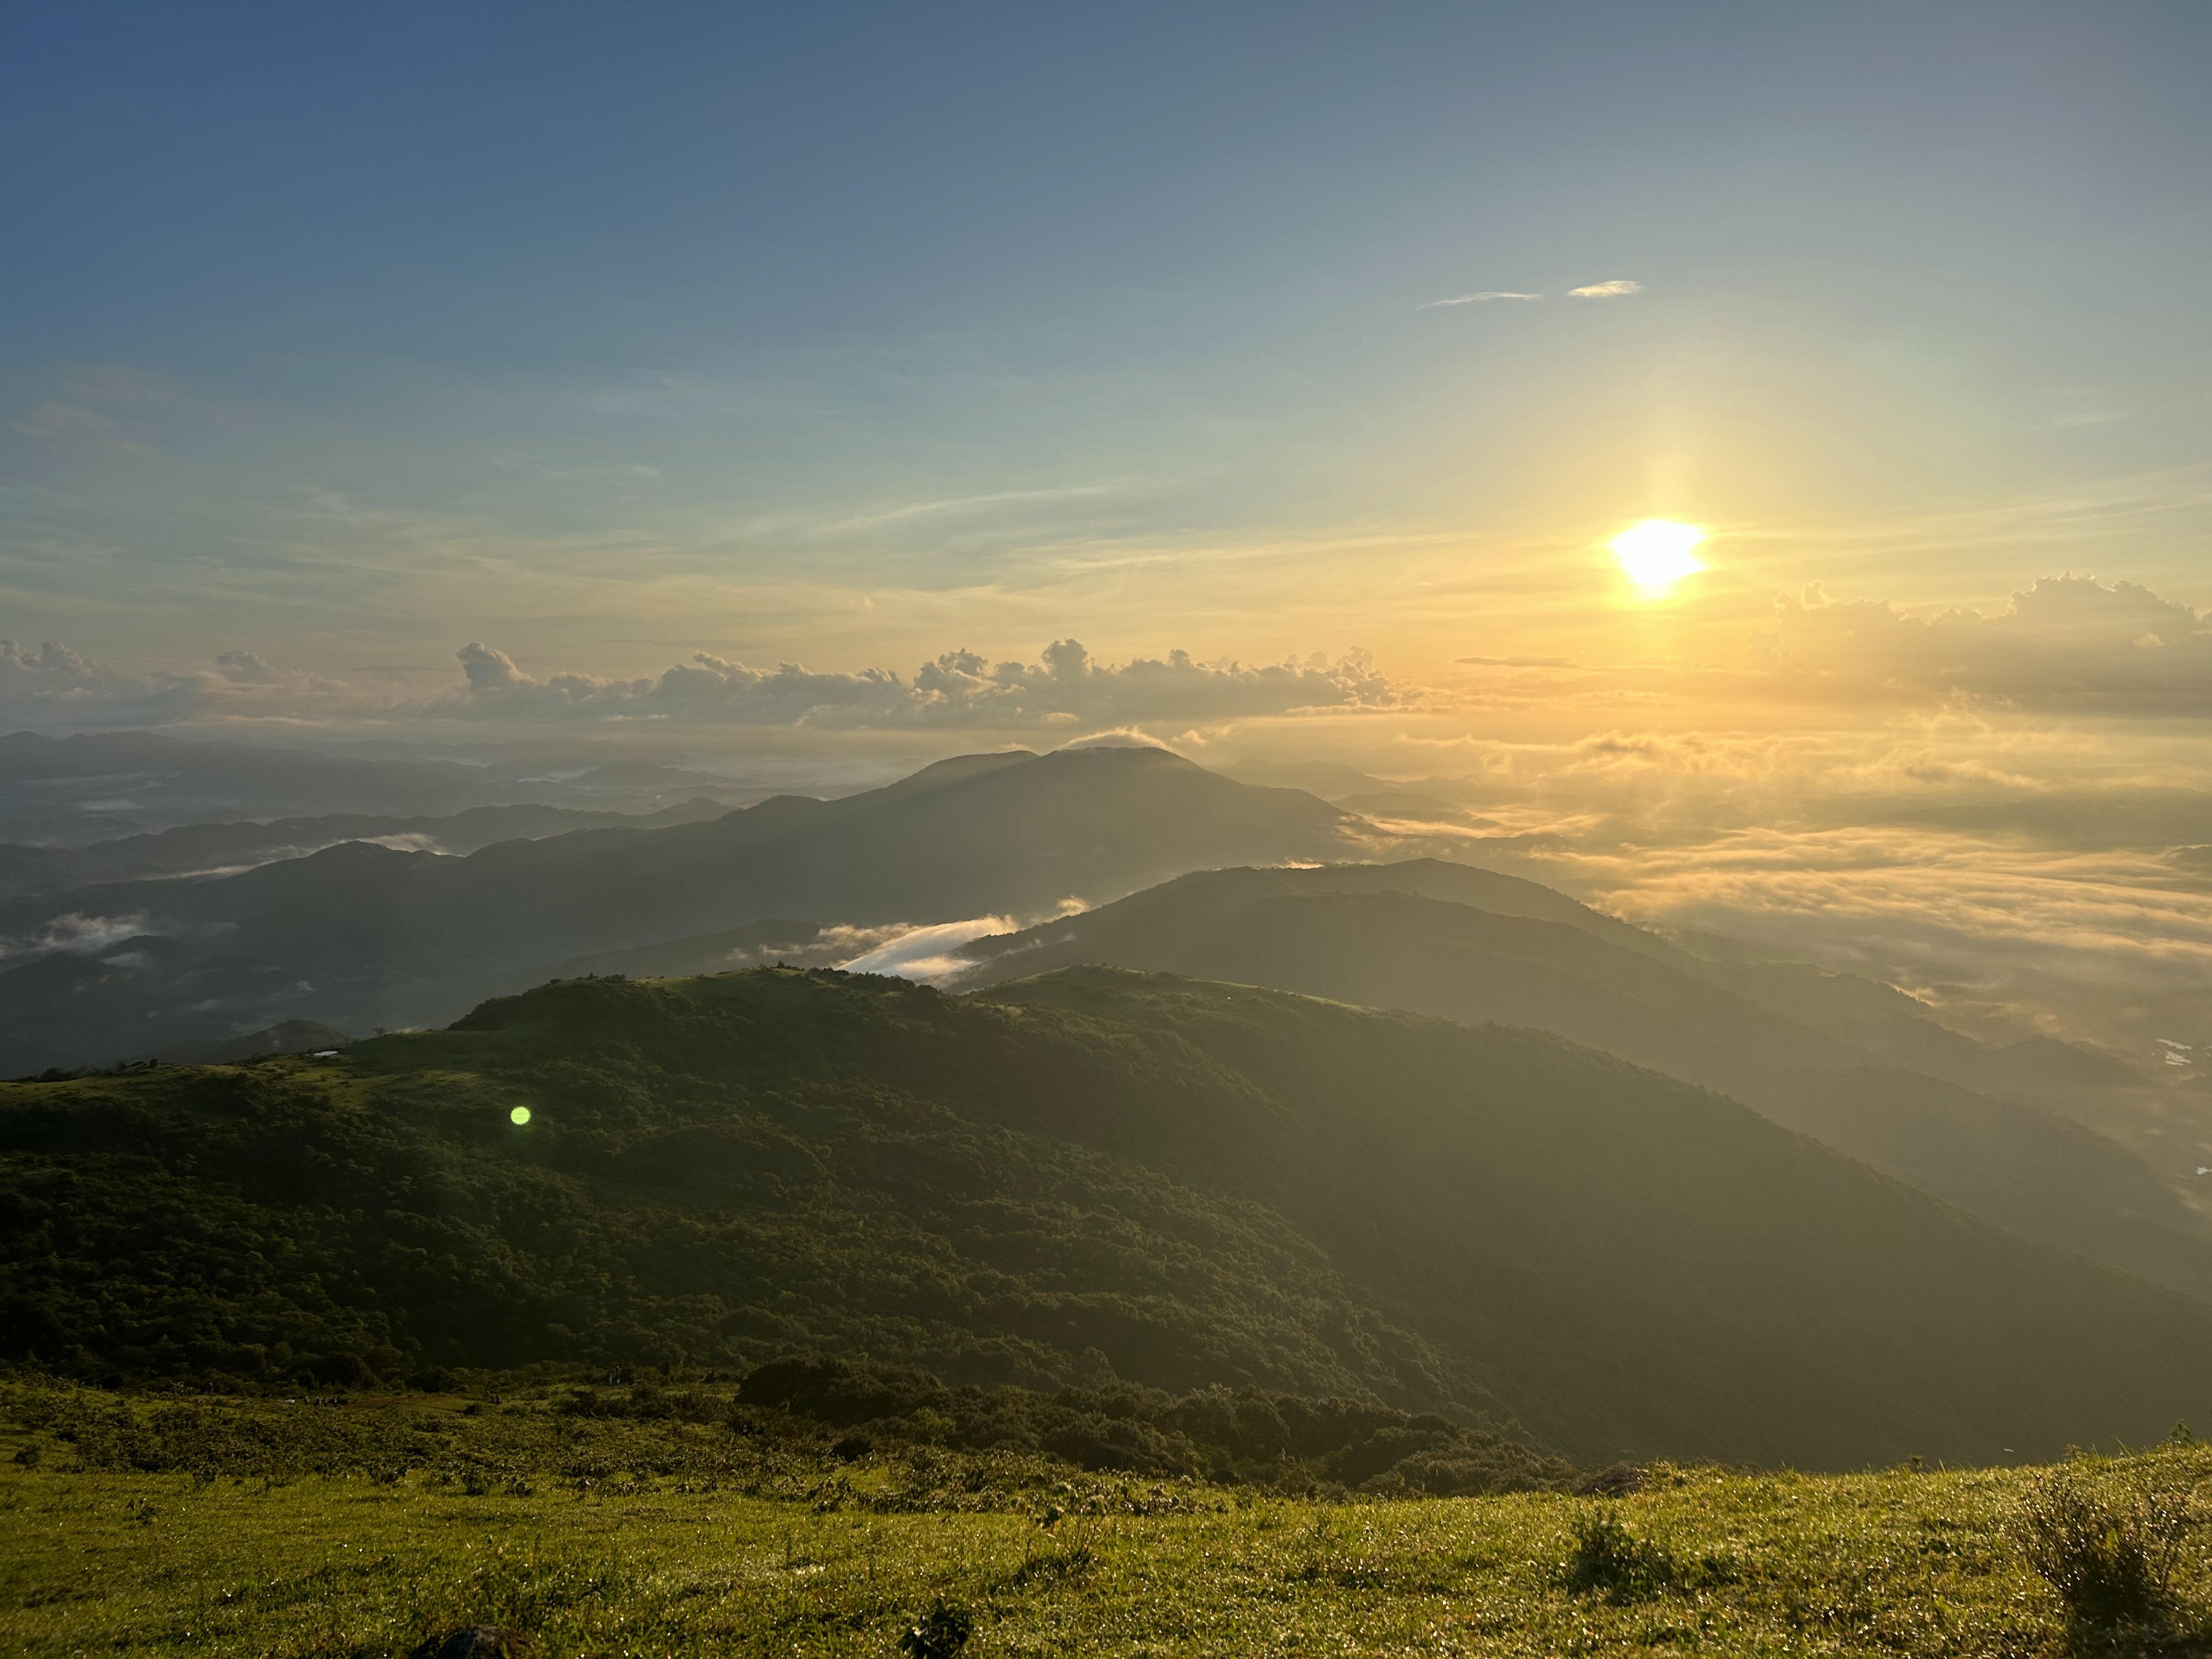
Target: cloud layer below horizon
column 52, row 688
column 2065, row 646
column 2007, row 811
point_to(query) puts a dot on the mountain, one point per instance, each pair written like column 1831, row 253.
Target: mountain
column 1091, row 1173
column 1472, row 945
column 90, row 786
column 202, row 850
column 799, row 944
column 360, row 936
column 293, row 1037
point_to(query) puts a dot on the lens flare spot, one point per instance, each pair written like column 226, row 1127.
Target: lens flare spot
column 1657, row 553
column 519, row 1116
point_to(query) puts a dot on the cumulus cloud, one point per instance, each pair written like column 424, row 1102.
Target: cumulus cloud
column 2068, row 642
column 1478, row 299
column 52, row 687
column 1065, row 686
column 1619, row 287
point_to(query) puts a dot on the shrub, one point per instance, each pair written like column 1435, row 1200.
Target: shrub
column 940, row 1633
column 2107, row 1546
column 1609, row 1558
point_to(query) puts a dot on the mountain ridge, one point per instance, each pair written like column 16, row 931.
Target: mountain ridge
column 1373, row 935
column 359, row 937
column 1202, row 1183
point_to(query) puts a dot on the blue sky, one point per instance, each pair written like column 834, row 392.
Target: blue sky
column 853, row 334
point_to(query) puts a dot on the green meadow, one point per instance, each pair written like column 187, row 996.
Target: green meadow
column 266, row 1528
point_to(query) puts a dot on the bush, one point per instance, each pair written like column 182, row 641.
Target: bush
column 2107, row 1542
column 941, row 1632
column 1609, row 1558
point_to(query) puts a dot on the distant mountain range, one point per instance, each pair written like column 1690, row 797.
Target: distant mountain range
column 204, row 851
column 96, row 785
column 361, row 935
column 1091, row 1173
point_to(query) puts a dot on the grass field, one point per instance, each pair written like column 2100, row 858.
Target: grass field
column 667, row 1558
column 680, row 1560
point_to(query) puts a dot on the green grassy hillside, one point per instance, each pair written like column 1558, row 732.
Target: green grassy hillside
column 147, row 1529
column 1093, row 1174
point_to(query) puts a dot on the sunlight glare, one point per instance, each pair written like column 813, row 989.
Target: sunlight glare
column 1657, row 553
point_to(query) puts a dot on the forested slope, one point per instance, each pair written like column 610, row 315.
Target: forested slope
column 1185, row 1182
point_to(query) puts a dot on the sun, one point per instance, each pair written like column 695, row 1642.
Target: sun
column 1657, row 553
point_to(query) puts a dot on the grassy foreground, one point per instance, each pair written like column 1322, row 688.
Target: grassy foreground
column 670, row 1558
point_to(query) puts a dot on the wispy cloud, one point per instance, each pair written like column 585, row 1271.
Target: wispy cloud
column 64, row 421
column 1476, row 299
column 111, row 383
column 955, row 504
column 1619, row 287
column 1519, row 662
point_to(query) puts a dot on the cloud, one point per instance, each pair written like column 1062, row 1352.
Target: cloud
column 486, row 670
column 112, row 383
column 74, row 934
column 1065, row 686
column 1519, row 662
column 963, row 504
column 2016, row 871
column 1478, row 299
column 1619, row 287
column 58, row 421
column 1125, row 737
column 53, row 687
column 2068, row 643
column 928, row 954
column 1994, row 935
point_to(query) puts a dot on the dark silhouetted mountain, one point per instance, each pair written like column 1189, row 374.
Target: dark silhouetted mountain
column 201, row 850
column 799, row 944
column 293, row 1037
column 94, row 786
column 359, row 935
column 1475, row 947
column 1205, row 1184
column 85, row 787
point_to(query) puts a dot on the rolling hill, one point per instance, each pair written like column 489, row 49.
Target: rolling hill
column 359, row 935
column 1093, row 1172
column 1472, row 945
column 201, row 850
